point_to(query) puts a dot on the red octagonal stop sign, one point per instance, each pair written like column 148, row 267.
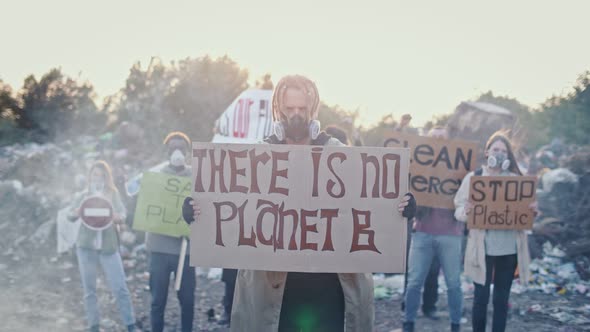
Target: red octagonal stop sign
column 96, row 213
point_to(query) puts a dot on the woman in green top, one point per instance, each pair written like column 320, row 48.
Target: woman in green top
column 94, row 246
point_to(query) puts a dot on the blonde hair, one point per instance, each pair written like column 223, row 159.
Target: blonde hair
column 300, row 83
column 108, row 174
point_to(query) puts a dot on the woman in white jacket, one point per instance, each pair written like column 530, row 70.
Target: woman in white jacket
column 493, row 255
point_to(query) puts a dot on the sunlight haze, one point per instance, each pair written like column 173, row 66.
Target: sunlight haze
column 382, row 57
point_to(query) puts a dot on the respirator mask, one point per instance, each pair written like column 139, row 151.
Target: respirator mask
column 499, row 160
column 296, row 128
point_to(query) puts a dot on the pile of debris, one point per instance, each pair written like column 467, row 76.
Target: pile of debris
column 553, row 274
column 564, row 201
column 39, row 180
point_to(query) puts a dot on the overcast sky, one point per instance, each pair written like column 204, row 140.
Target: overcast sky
column 419, row 57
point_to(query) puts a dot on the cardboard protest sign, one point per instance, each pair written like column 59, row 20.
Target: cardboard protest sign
column 502, row 202
column 96, row 213
column 248, row 118
column 159, row 205
column 437, row 166
column 299, row 208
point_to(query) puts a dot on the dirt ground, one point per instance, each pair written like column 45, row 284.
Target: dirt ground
column 42, row 292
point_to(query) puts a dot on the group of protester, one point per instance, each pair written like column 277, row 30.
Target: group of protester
column 102, row 246
column 275, row 301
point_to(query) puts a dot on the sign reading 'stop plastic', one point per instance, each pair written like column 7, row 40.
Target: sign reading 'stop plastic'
column 502, row 202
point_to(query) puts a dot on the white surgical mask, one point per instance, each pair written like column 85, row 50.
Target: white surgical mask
column 177, row 158
column 96, row 187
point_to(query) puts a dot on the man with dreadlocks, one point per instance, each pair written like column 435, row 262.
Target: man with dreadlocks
column 295, row 301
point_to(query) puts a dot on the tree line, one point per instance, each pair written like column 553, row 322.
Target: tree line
column 190, row 94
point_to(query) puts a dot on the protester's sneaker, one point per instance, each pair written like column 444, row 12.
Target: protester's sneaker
column 408, row 327
column 455, row 327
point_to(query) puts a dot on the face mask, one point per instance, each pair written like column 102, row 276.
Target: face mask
column 499, row 160
column 297, row 128
column 177, row 158
column 96, row 187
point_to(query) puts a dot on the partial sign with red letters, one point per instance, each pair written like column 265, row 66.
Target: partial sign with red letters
column 299, row 208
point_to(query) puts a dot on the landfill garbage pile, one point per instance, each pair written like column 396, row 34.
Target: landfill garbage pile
column 554, row 274
column 564, row 201
column 38, row 180
column 37, row 184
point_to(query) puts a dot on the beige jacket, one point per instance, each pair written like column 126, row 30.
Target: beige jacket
column 259, row 295
column 475, row 252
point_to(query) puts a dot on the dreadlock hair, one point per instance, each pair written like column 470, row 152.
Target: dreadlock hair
column 300, row 83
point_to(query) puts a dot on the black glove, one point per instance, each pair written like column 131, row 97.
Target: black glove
column 410, row 209
column 188, row 213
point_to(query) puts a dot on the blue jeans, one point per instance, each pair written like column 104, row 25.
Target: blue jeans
column 112, row 267
column 161, row 266
column 422, row 250
column 430, row 294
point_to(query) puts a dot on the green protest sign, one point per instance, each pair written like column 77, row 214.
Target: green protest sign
column 159, row 205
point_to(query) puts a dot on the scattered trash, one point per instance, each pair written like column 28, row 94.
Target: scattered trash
column 214, row 274
column 66, row 266
column 389, row 284
column 128, row 238
column 42, row 233
column 381, row 292
column 535, row 308
column 19, row 240
column 137, row 249
column 552, row 275
column 108, row 324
